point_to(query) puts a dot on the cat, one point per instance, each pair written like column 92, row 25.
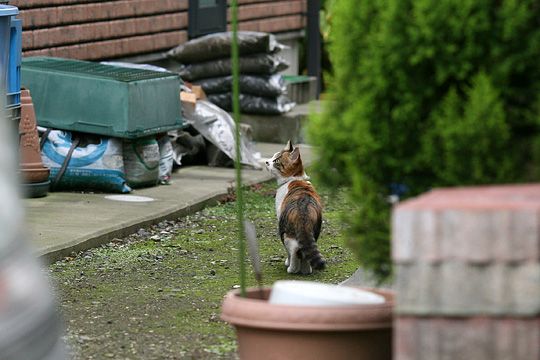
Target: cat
column 299, row 211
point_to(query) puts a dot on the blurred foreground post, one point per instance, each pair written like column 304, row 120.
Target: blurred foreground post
column 238, row 166
column 467, row 264
column 30, row 328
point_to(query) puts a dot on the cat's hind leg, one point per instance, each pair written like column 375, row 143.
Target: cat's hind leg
column 287, row 260
column 294, row 263
column 305, row 268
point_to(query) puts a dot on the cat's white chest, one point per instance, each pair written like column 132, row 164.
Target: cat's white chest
column 280, row 196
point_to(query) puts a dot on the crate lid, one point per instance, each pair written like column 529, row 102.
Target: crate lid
column 8, row 10
column 294, row 79
column 92, row 69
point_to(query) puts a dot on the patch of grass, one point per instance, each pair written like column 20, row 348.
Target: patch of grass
column 157, row 295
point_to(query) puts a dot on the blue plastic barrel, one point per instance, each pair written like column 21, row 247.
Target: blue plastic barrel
column 14, row 67
column 6, row 12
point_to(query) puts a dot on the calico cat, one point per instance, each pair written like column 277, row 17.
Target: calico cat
column 299, row 211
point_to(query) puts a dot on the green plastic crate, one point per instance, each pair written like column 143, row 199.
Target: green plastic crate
column 102, row 99
column 301, row 89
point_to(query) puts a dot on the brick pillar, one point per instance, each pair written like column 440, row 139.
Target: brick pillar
column 467, row 264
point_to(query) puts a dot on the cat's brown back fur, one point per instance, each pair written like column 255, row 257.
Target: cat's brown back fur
column 301, row 218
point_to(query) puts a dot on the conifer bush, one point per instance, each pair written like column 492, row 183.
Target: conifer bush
column 427, row 93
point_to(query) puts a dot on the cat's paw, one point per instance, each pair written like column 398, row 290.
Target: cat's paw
column 306, row 268
column 292, row 270
column 287, row 261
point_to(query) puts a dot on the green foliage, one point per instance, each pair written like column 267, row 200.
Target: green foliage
column 469, row 138
column 427, row 93
column 369, row 237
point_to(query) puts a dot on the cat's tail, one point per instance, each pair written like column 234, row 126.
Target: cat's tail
column 309, row 250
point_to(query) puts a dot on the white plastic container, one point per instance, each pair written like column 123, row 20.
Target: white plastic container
column 6, row 12
column 291, row 292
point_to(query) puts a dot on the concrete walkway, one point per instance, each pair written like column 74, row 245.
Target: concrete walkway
column 61, row 222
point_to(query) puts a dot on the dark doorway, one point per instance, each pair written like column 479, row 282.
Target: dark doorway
column 206, row 17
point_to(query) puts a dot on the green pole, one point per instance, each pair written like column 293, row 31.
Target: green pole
column 238, row 166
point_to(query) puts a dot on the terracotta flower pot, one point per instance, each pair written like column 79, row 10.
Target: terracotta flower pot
column 31, row 167
column 267, row 331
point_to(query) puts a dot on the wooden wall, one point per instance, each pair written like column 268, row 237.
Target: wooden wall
column 106, row 29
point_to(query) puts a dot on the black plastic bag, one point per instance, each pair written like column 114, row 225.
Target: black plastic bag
column 262, row 64
column 265, row 85
column 216, row 46
column 217, row 158
column 218, row 127
column 189, row 147
column 250, row 104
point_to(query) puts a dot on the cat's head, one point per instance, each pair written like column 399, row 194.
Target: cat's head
column 286, row 163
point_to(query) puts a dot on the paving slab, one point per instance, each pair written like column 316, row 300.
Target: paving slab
column 63, row 222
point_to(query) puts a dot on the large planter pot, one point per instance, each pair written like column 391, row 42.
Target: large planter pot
column 268, row 331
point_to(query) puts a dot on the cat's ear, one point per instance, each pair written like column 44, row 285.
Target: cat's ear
column 295, row 154
column 289, row 147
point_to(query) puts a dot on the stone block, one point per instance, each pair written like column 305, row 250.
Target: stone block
column 476, row 338
column 417, row 290
column 464, row 339
column 479, row 225
column 430, row 341
column 405, row 343
column 463, row 289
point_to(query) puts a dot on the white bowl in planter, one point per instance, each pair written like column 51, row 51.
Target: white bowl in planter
column 293, row 292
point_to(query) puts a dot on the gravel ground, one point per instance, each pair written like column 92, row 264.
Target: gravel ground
column 156, row 294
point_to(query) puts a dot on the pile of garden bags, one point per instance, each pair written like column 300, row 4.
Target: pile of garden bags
column 206, row 62
column 217, row 127
column 89, row 162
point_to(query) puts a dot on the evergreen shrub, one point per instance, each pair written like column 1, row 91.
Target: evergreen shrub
column 427, row 93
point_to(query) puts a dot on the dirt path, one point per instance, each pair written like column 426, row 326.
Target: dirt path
column 157, row 294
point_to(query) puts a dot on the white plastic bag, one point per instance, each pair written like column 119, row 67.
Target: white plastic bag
column 217, row 126
column 166, row 160
column 141, row 161
column 92, row 166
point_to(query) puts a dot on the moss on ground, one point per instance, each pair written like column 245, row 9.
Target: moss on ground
column 157, row 294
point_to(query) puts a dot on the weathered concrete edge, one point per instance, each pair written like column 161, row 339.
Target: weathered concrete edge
column 54, row 253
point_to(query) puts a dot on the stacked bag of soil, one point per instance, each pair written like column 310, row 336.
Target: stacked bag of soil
column 206, row 62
